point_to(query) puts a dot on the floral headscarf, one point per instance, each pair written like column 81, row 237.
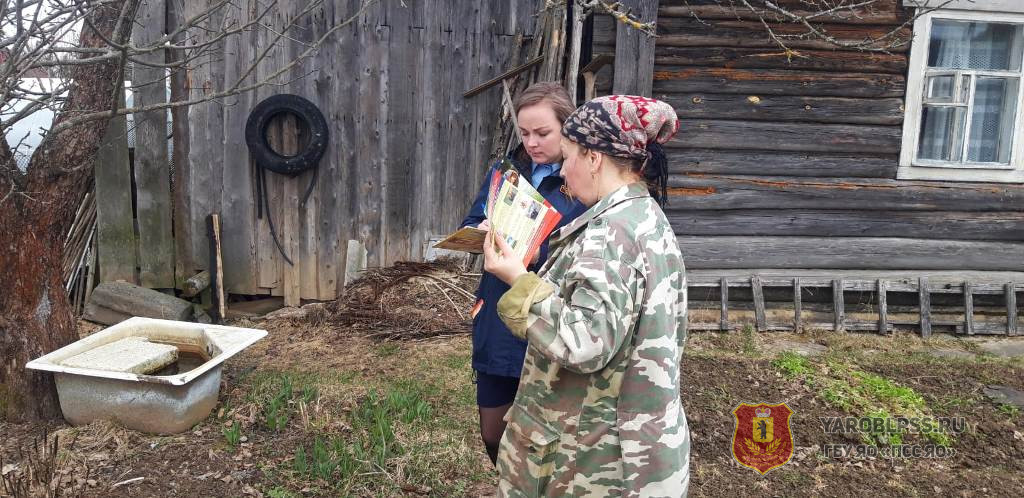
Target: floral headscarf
column 627, row 126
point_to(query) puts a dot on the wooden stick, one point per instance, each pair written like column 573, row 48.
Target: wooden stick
column 723, row 323
column 217, row 268
column 883, row 308
column 797, row 304
column 502, row 77
column 839, row 307
column 925, row 303
column 759, row 315
column 1011, row 310
column 968, row 309
column 573, row 64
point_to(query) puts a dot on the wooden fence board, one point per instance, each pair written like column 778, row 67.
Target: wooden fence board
column 115, row 234
column 152, row 175
column 237, row 197
column 634, row 50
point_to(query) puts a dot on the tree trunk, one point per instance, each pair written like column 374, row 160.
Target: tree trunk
column 35, row 315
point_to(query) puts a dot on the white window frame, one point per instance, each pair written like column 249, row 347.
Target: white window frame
column 910, row 168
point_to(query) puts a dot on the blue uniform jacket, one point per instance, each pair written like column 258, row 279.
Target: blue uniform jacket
column 495, row 350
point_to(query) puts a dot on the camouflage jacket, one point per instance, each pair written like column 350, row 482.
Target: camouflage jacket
column 598, row 410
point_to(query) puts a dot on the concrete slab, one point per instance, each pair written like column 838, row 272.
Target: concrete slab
column 130, row 355
column 1005, row 395
column 955, row 354
column 133, row 300
column 801, row 348
column 1006, row 348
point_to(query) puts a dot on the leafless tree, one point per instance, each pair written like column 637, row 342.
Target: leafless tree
column 87, row 47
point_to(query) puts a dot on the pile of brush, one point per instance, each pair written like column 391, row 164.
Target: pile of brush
column 407, row 301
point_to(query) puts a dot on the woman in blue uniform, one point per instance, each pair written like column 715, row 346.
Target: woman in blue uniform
column 497, row 354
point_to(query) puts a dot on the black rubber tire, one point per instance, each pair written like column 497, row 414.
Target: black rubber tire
column 256, row 134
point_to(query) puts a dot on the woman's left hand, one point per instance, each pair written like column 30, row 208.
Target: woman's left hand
column 506, row 266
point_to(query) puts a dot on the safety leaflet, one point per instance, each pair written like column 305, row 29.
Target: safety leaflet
column 517, row 212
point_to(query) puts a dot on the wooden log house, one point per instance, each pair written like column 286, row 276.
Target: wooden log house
column 818, row 172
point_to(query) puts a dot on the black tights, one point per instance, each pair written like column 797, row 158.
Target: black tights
column 492, row 426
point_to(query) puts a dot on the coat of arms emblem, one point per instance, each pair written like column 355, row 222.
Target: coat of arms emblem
column 762, row 440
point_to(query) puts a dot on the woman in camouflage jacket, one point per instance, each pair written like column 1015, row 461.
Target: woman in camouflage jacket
column 598, row 410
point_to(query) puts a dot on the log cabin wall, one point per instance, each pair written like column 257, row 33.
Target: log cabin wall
column 789, row 162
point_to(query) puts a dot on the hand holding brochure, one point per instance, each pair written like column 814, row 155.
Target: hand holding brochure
column 516, row 211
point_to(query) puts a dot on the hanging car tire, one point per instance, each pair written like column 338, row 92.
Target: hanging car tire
column 308, row 115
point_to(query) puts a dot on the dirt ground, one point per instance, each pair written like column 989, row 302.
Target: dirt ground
column 324, row 377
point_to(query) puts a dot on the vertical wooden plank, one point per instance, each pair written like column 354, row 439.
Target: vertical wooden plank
column 290, row 220
column 302, row 81
column 883, row 307
column 115, row 226
column 270, row 261
column 968, row 308
column 348, row 97
column 759, row 314
column 403, row 44
column 1011, row 309
column 838, row 305
column 237, row 198
column 634, row 51
column 797, row 305
column 925, row 306
column 425, row 111
column 454, row 142
column 152, row 175
column 723, row 323
column 371, row 133
column 183, row 260
column 207, row 133
column 324, row 230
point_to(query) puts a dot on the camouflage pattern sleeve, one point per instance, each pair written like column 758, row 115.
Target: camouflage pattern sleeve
column 583, row 329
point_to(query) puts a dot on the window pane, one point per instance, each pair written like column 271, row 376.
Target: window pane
column 942, row 131
column 995, row 103
column 975, row 45
column 940, row 88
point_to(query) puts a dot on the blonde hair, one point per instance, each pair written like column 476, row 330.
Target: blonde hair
column 550, row 92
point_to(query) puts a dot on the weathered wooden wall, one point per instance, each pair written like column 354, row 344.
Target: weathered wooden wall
column 790, row 163
column 406, row 151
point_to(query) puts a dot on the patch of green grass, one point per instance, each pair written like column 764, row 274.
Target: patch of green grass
column 887, row 435
column 792, row 364
column 277, row 395
column 1009, row 410
column 336, row 459
column 387, row 349
column 233, row 434
column 842, row 385
column 280, row 492
column 459, row 361
column 952, row 402
column 749, row 347
column 885, row 390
